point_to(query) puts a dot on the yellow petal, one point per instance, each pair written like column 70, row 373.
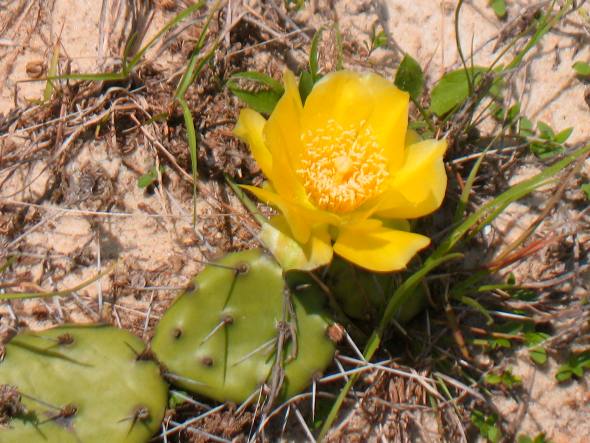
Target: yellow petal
column 249, row 128
column 282, row 135
column 277, row 237
column 380, row 249
column 418, row 188
column 412, row 137
column 300, row 219
column 300, row 227
column 350, row 98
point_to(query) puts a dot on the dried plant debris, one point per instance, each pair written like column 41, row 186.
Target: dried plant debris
column 70, row 204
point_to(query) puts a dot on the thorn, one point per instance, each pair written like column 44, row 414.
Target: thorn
column 68, row 411
column 141, row 413
column 302, row 287
column 173, row 376
column 217, row 327
column 262, row 347
column 313, row 396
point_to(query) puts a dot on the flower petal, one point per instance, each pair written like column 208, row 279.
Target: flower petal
column 418, row 188
column 300, row 227
column 277, row 237
column 379, row 249
column 282, row 135
column 249, row 128
column 412, row 137
column 301, row 219
column 350, row 98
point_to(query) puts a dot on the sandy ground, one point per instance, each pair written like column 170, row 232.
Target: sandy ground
column 152, row 238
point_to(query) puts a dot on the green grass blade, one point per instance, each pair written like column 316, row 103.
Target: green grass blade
column 464, row 197
column 127, row 66
column 192, row 146
column 490, row 210
column 544, row 27
column 177, row 19
column 51, row 72
column 93, row 77
column 313, row 55
column 191, row 71
column 22, row 295
column 128, row 45
column 246, row 201
column 260, row 78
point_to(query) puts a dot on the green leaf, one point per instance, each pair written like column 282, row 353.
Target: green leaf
column 313, row 55
column 513, row 113
column 538, row 355
column 582, row 69
column 499, row 7
column 409, row 77
column 546, row 150
column 540, row 438
column 493, row 379
column 496, row 343
column 305, row 85
column 536, row 352
column 561, row 137
column 498, row 112
column 576, row 365
column 486, row 424
column 478, row 306
column 494, row 434
column 545, row 131
column 577, row 371
column 563, row 374
column 586, row 188
column 260, row 78
column 379, row 40
column 177, row 398
column 261, row 101
column 525, row 127
column 453, row 89
column 149, row 177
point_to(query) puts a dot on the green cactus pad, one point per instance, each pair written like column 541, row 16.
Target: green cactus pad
column 81, row 384
column 219, row 340
column 314, row 350
column 364, row 294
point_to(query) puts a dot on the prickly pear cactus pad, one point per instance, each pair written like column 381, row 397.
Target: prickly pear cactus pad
column 81, row 384
column 314, row 350
column 363, row 294
column 220, row 339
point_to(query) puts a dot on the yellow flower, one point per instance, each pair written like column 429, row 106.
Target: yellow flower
column 344, row 172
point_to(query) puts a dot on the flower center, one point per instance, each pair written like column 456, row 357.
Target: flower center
column 341, row 168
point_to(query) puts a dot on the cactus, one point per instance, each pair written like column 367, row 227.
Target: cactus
column 220, row 338
column 80, row 384
column 363, row 294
